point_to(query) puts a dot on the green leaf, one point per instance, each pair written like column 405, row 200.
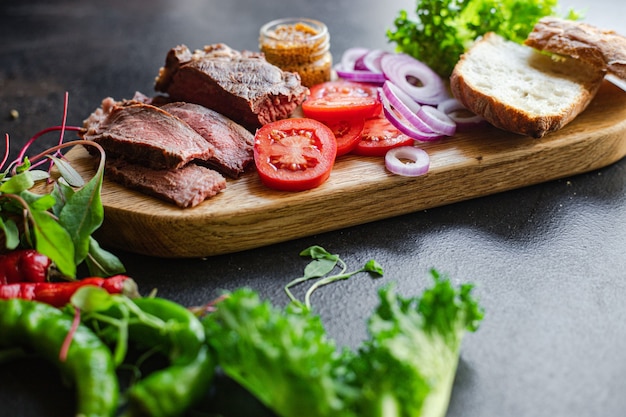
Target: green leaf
column 82, row 214
column 283, row 357
column 24, row 166
column 409, row 361
column 17, row 183
column 90, row 299
column 39, row 174
column 42, row 202
column 373, row 267
column 442, row 30
column 317, row 252
column 52, row 240
column 61, row 192
column 68, row 172
column 102, row 263
column 11, row 233
column 319, row 267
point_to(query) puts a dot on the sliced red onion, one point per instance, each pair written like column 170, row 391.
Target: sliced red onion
column 351, row 55
column 418, row 161
column 459, row 113
column 399, row 67
column 371, row 60
column 403, row 125
column 405, row 105
column 359, row 75
column 438, row 121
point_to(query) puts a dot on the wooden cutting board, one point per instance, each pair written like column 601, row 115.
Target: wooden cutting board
column 471, row 164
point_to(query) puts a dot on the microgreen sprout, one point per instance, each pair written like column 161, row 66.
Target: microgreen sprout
column 59, row 223
column 321, row 266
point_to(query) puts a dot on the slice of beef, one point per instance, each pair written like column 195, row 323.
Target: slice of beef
column 145, row 134
column 186, row 187
column 240, row 85
column 233, row 144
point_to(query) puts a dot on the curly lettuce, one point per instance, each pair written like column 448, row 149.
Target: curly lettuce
column 442, row 30
column 406, row 367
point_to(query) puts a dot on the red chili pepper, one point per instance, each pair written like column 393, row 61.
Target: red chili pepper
column 24, row 265
column 58, row 294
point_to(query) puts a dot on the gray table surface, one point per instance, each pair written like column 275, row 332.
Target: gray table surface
column 548, row 260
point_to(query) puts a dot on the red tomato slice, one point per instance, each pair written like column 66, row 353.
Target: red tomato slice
column 342, row 100
column 378, row 136
column 294, row 154
column 347, row 133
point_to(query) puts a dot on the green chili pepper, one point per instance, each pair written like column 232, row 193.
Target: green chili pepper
column 172, row 390
column 153, row 325
column 88, row 364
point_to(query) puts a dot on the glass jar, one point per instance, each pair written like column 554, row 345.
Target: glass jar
column 298, row 45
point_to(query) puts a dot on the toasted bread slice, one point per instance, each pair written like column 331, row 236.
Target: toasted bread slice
column 518, row 89
column 599, row 47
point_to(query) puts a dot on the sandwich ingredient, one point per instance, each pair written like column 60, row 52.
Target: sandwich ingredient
column 294, row 154
column 186, row 187
column 24, row 265
column 231, row 142
column 408, row 364
column 154, row 327
column 361, row 65
column 414, row 78
column 420, row 121
column 601, row 48
column 87, row 363
column 58, row 224
column 145, row 134
column 335, row 100
column 528, row 92
column 241, row 85
column 298, row 45
column 347, row 133
column 441, row 31
column 58, row 294
column 409, row 161
column 285, row 358
column 379, row 136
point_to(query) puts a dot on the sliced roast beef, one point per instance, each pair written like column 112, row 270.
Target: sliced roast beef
column 186, row 187
column 145, row 134
column 243, row 86
column 231, row 141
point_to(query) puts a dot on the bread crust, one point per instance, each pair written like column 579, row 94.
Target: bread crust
column 604, row 49
column 509, row 117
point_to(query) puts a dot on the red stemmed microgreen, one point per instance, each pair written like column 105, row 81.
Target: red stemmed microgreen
column 57, row 220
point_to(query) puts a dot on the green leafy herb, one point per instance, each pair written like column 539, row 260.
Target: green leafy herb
column 323, row 264
column 442, row 30
column 407, row 367
column 285, row 358
column 60, row 223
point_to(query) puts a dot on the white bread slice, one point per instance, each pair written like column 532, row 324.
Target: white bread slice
column 518, row 89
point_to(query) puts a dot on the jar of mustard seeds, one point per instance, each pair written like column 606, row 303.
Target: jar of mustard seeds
column 298, row 45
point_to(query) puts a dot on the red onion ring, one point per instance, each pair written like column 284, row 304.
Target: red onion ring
column 398, row 67
column 351, row 55
column 459, row 113
column 371, row 60
column 405, row 105
column 362, row 76
column 418, row 165
column 438, row 121
column 403, row 125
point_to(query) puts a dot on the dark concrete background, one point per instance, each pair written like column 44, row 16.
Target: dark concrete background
column 548, row 260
